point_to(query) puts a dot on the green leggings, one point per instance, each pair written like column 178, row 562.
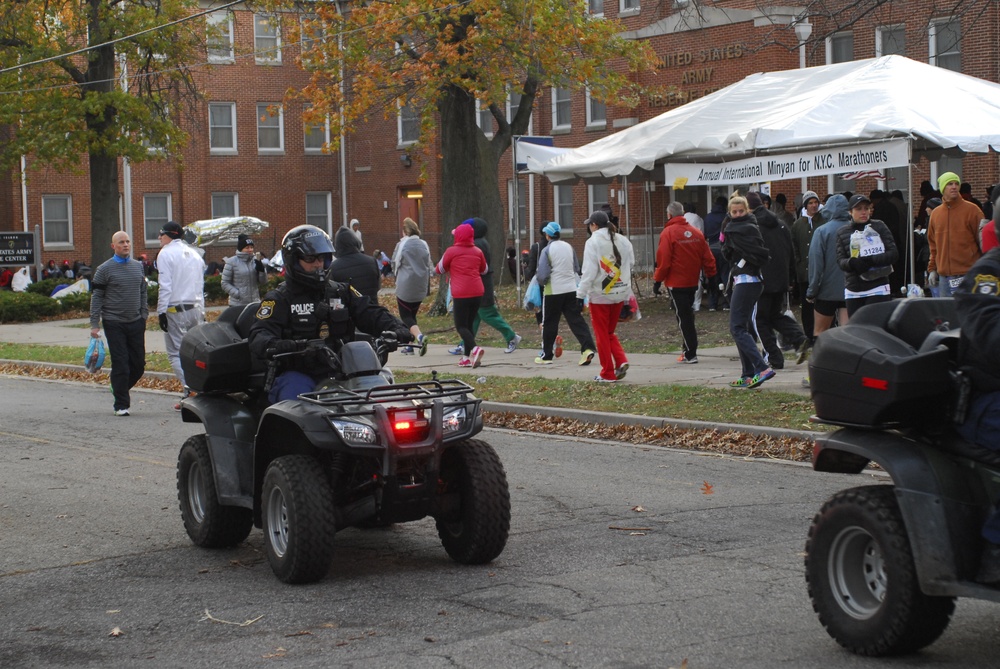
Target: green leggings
column 492, row 317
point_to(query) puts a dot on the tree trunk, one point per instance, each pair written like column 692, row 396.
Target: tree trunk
column 104, row 221
column 469, row 178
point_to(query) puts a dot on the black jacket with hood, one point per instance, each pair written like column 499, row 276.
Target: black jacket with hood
column 352, row 266
column 777, row 273
column 743, row 241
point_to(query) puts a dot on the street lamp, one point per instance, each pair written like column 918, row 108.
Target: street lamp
column 803, row 30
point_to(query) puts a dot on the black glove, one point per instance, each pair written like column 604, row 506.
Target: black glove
column 857, row 265
column 163, row 322
column 283, row 346
column 258, row 265
column 404, row 336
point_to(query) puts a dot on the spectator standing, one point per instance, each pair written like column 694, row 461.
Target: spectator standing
column 926, row 192
column 802, row 233
column 952, row 236
column 606, row 282
column 681, row 256
column 355, row 227
column 865, row 251
column 713, row 227
column 965, row 190
column 777, row 275
column 780, row 210
column 466, row 265
column 411, row 262
column 884, row 210
column 558, row 274
column 119, row 300
column 243, row 274
column 744, row 248
column 181, row 301
column 353, row 267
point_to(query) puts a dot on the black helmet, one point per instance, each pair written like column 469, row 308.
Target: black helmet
column 306, row 240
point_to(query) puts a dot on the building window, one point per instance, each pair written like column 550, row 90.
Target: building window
column 311, row 39
column 840, row 48
column 266, row 39
column 564, row 207
column 597, row 112
column 513, row 104
column 945, row 41
column 595, row 7
column 156, row 210
column 318, row 210
column 627, row 7
column 270, row 128
column 561, row 109
column 521, row 215
column 225, row 204
column 890, row 40
column 316, row 136
column 222, row 127
column 484, row 118
column 220, row 37
column 57, row 220
column 408, row 122
column 597, row 194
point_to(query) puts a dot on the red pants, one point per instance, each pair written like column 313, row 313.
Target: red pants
column 604, row 318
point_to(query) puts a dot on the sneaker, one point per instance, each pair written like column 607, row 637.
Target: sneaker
column 760, row 378
column 558, row 350
column 406, row 350
column 422, row 344
column 684, row 359
column 601, row 379
column 741, row 382
column 465, row 362
column 804, row 350
column 512, row 344
column 620, row 371
column 586, row 357
column 542, row 361
column 458, row 350
column 122, row 412
column 805, row 383
column 477, row 356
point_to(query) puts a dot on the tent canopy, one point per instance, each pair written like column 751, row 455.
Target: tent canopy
column 770, row 113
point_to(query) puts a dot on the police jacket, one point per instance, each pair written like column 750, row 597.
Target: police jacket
column 293, row 311
column 977, row 300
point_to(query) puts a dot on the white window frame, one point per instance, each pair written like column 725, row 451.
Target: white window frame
column 592, row 105
column 880, row 38
column 629, row 7
column 265, row 124
column 562, row 197
column 829, row 46
column 268, row 53
column 932, row 46
column 328, row 214
column 47, row 221
column 222, row 150
column 595, row 195
column 402, row 141
column 308, row 130
column 151, row 233
column 557, row 104
column 591, row 8
column 236, row 203
column 483, row 114
column 215, row 19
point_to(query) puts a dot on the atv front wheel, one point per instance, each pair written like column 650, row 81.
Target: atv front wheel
column 208, row 523
column 474, row 531
column 861, row 577
column 298, row 519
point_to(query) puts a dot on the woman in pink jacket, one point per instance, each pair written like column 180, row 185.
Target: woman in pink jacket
column 466, row 264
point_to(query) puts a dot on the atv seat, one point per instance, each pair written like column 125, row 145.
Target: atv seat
column 913, row 320
column 244, row 318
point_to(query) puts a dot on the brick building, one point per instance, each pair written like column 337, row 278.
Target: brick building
column 253, row 155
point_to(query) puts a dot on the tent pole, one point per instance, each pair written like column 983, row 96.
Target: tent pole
column 909, row 220
column 517, row 223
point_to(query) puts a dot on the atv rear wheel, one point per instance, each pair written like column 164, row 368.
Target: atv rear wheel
column 475, row 530
column 862, row 580
column 298, row 519
column 208, row 523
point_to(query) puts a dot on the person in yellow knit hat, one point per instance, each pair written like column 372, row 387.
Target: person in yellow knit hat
column 952, row 237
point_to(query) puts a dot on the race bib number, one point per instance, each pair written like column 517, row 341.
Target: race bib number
column 871, row 246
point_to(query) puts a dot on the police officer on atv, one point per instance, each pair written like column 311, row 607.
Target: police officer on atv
column 309, row 306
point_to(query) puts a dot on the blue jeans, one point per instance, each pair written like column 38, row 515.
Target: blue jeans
column 289, row 385
column 982, row 428
column 742, row 320
column 944, row 285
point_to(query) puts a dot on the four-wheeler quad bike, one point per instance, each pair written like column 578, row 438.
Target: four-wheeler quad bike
column 884, row 563
column 359, row 451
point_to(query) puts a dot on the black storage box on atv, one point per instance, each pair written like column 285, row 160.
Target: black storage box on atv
column 863, row 375
column 215, row 358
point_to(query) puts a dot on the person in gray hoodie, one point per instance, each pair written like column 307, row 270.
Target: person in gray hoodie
column 826, row 278
column 412, row 265
column 353, row 266
column 243, row 274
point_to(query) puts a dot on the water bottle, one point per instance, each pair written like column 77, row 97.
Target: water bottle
column 856, row 244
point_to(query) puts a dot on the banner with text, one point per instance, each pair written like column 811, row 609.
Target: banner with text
column 874, row 156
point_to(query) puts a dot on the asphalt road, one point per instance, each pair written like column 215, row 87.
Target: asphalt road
column 91, row 540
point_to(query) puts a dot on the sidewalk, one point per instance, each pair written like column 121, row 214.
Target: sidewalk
column 717, row 366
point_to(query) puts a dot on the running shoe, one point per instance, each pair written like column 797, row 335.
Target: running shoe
column 804, row 350
column 559, row 347
column 542, row 361
column 690, row 361
column 122, row 412
column 601, row 379
column 512, row 344
column 422, row 342
column 465, row 362
column 741, row 382
column 620, row 371
column 458, row 350
column 586, row 357
column 477, row 356
column 760, row 378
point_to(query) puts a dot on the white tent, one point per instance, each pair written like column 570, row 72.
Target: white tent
column 800, row 111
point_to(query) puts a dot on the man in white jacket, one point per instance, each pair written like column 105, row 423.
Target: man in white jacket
column 558, row 274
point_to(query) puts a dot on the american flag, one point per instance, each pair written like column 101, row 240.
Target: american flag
column 851, row 176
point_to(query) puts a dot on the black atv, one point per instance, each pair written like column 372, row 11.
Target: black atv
column 885, row 563
column 359, row 451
